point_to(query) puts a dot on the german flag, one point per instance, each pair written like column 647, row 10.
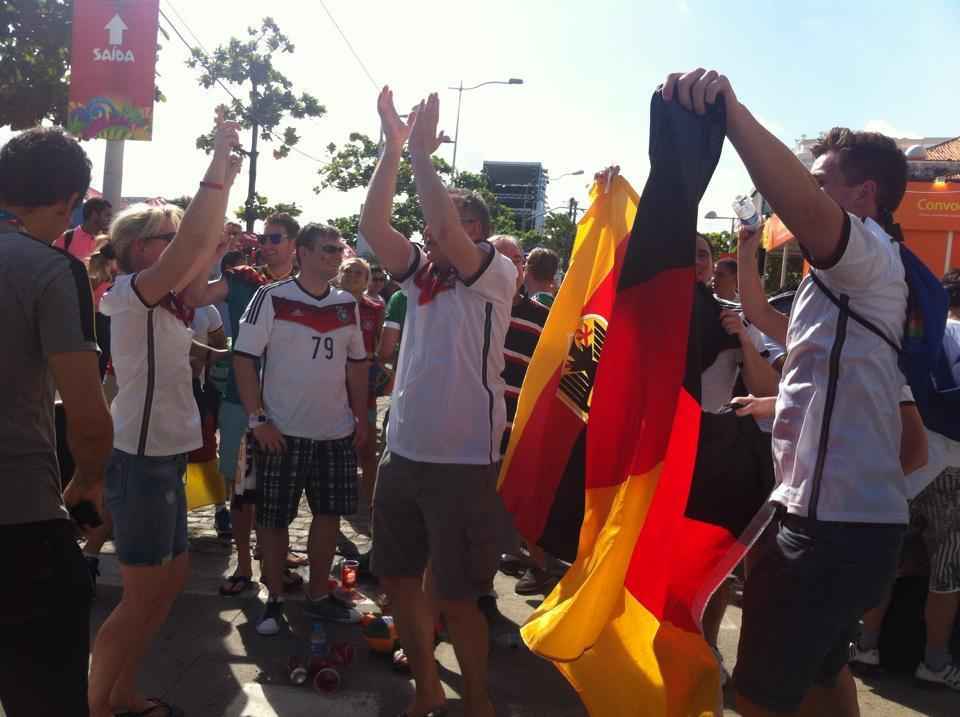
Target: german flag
column 624, row 624
column 542, row 477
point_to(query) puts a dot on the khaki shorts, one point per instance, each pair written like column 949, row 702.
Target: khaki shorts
column 444, row 514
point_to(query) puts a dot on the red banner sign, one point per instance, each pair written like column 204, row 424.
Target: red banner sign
column 112, row 68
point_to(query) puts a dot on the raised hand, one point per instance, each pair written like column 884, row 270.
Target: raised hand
column 226, row 135
column 395, row 130
column 233, row 169
column 605, row 176
column 698, row 88
column 423, row 135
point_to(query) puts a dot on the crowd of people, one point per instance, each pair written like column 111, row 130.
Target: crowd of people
column 268, row 352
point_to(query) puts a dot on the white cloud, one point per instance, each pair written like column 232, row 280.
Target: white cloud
column 684, row 7
column 884, row 127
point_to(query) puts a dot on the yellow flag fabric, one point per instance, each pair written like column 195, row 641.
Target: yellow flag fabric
column 553, row 404
column 204, row 485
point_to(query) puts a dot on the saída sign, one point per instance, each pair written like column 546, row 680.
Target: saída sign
column 112, row 69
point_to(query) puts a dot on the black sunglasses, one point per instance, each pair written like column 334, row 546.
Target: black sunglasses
column 272, row 238
column 331, row 248
column 162, row 237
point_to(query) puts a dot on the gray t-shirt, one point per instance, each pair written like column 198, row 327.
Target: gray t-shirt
column 46, row 307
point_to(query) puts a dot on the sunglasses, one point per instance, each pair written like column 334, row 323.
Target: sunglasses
column 162, row 237
column 331, row 248
column 272, row 238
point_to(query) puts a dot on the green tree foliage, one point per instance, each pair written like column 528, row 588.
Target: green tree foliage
column 351, row 166
column 35, row 41
column 248, row 64
column 263, row 209
column 558, row 234
column 722, row 242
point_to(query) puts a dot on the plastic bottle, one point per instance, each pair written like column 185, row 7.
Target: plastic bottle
column 746, row 212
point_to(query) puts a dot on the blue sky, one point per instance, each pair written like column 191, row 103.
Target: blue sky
column 589, row 69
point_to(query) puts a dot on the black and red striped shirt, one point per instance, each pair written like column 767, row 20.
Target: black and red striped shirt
column 526, row 324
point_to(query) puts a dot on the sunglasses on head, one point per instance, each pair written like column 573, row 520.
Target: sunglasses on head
column 272, row 238
column 162, row 237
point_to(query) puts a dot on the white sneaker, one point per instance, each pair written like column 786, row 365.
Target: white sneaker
column 949, row 675
column 860, row 656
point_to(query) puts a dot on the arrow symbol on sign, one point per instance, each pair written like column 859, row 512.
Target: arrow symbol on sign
column 116, row 26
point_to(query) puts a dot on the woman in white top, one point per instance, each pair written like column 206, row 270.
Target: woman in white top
column 164, row 255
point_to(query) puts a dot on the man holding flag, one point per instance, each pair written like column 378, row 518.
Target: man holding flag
column 836, row 433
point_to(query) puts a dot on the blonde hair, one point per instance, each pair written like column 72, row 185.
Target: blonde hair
column 137, row 222
column 355, row 260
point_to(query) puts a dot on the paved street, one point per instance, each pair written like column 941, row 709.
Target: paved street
column 209, row 659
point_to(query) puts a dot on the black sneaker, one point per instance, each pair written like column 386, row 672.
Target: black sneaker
column 534, row 582
column 329, row 609
column 269, row 623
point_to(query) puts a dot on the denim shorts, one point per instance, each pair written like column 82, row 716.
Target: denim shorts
column 809, row 585
column 146, row 499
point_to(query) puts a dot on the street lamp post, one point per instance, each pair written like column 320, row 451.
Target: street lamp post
column 575, row 173
column 733, row 221
column 456, row 132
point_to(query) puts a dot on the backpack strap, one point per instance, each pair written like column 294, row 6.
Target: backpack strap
column 870, row 326
column 68, row 239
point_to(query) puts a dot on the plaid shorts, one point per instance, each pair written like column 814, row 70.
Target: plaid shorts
column 327, row 469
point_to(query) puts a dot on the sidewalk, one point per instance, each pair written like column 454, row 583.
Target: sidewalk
column 209, row 660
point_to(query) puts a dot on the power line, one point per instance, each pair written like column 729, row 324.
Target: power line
column 192, row 33
column 363, row 67
column 218, row 81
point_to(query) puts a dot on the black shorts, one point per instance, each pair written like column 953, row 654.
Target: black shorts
column 326, row 469
column 45, row 621
column 808, row 586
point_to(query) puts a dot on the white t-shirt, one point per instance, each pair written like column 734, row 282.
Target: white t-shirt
column 773, row 351
column 942, row 452
column 205, row 320
column 720, row 377
column 305, row 342
column 448, row 402
column 951, row 347
column 836, row 434
column 154, row 412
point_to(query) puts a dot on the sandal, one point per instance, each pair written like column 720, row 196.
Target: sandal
column 236, row 584
column 151, row 711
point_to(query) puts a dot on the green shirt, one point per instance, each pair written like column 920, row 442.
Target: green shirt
column 543, row 297
column 396, row 311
